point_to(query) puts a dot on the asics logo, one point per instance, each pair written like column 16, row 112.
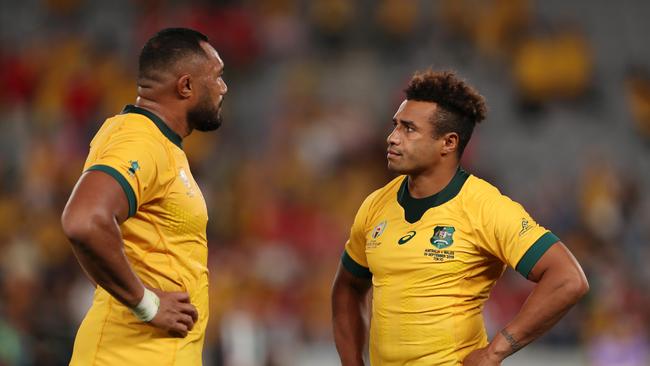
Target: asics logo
column 404, row 239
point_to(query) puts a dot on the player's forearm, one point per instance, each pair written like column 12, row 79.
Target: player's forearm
column 350, row 329
column 99, row 249
column 551, row 299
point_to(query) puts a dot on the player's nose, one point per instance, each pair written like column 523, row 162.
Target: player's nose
column 393, row 138
column 224, row 87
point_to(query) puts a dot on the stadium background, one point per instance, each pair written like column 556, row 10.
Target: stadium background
column 312, row 89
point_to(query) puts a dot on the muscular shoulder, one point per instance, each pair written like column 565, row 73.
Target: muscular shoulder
column 132, row 126
column 477, row 191
column 131, row 132
column 383, row 195
column 129, row 137
column 483, row 201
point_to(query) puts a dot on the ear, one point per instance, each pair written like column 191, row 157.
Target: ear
column 450, row 143
column 185, row 86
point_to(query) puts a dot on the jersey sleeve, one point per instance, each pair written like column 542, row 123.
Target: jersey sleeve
column 135, row 159
column 509, row 233
column 354, row 256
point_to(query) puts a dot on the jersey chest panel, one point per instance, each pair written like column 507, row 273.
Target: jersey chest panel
column 436, row 248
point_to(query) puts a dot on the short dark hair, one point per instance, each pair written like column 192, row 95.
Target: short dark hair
column 167, row 47
column 461, row 107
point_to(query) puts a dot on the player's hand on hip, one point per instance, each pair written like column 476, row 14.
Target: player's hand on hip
column 175, row 314
column 481, row 357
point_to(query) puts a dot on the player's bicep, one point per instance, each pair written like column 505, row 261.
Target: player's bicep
column 344, row 277
column 354, row 266
column 557, row 259
column 354, row 256
column 97, row 194
column 134, row 163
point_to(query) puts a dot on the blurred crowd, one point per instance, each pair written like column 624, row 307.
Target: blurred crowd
column 313, row 86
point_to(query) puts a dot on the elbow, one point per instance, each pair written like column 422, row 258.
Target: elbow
column 73, row 228
column 584, row 286
column 578, row 286
column 76, row 226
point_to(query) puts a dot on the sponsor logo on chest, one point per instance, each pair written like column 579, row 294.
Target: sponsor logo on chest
column 406, row 238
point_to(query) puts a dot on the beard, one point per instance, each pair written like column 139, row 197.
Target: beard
column 204, row 117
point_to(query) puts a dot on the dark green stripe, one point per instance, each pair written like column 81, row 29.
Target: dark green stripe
column 414, row 208
column 535, row 252
column 130, row 195
column 354, row 267
column 162, row 126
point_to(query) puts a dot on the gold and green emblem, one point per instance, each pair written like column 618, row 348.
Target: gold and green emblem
column 443, row 236
column 134, row 167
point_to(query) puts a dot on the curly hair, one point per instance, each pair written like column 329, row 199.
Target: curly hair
column 461, row 106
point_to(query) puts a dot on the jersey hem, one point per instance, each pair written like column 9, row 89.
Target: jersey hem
column 128, row 190
column 353, row 267
column 535, row 252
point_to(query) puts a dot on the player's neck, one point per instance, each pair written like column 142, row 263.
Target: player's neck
column 176, row 122
column 432, row 181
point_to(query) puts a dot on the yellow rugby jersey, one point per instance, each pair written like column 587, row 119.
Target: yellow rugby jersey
column 433, row 262
column 164, row 241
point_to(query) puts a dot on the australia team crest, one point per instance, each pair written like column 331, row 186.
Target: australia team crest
column 443, row 236
column 134, row 166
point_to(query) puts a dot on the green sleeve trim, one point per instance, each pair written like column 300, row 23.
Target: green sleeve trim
column 535, row 252
column 355, row 268
column 128, row 190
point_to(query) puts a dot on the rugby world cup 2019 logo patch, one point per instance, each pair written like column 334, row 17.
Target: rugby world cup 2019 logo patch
column 375, row 234
column 443, row 236
column 186, row 182
column 378, row 230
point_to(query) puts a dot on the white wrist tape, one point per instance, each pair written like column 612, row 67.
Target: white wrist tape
column 148, row 306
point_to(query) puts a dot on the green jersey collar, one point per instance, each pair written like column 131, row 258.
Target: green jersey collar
column 162, row 126
column 414, row 208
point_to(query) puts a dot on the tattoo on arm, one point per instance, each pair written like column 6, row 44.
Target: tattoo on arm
column 513, row 342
